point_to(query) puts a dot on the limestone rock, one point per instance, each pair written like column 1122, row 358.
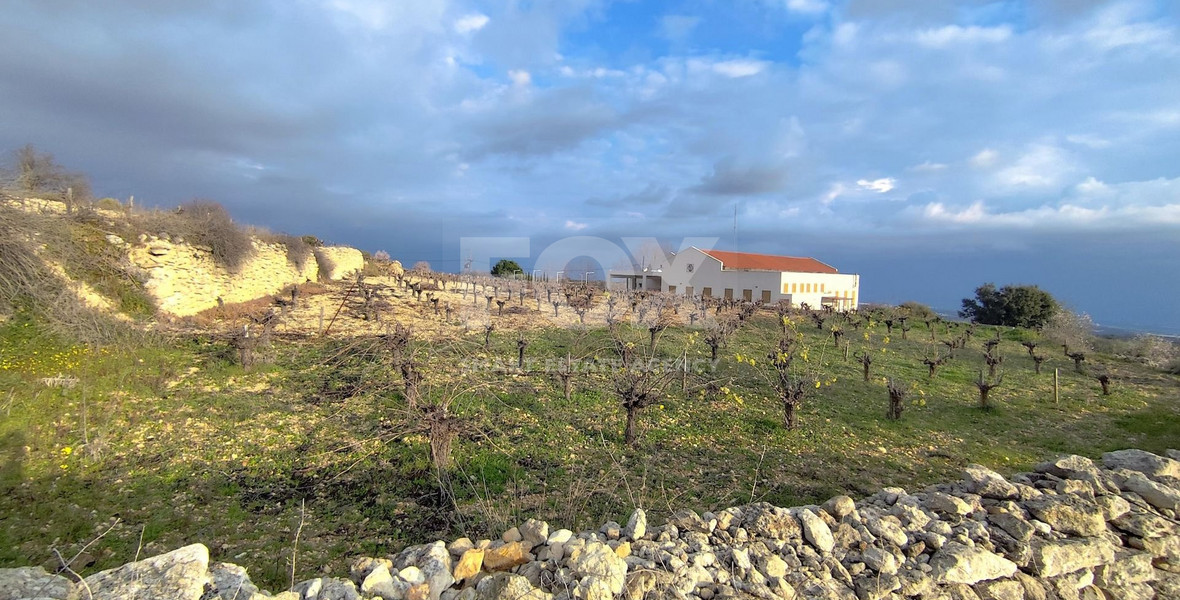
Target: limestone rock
column 362, row 566
column 598, row 560
column 232, row 582
column 469, row 564
column 765, row 520
column 840, row 506
column 507, row 586
column 946, row 504
column 989, row 484
column 34, row 582
column 1051, row 559
column 1066, row 466
column 880, row 560
column 180, row 574
column 1068, row 514
column 1156, row 494
column 505, row 557
column 956, row 563
column 379, row 582
column 1013, row 525
column 1128, row 567
column 1000, row 589
column 637, row 525
column 338, row 262
column 326, row 589
column 534, row 532
column 815, row 531
column 1154, row 467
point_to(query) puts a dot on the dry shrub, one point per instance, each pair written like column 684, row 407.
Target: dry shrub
column 27, row 285
column 298, row 249
column 203, row 223
column 234, row 312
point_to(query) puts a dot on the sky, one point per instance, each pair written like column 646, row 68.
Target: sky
column 928, row 145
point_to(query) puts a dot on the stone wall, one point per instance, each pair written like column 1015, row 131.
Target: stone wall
column 1070, row 530
column 185, row 280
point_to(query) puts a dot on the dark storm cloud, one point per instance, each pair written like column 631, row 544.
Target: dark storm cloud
column 731, row 179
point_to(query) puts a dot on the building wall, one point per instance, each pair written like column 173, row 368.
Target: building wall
column 708, row 278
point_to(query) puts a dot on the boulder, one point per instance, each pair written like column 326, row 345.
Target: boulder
column 1051, row 559
column 1156, row 494
column 598, row 560
column 957, row 563
column 1154, row 467
column 815, row 530
column 1068, row 514
column 989, row 484
column 181, row 574
column 34, row 582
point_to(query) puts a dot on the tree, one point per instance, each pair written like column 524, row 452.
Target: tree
column 39, row 174
column 505, row 268
column 1073, row 331
column 1011, row 306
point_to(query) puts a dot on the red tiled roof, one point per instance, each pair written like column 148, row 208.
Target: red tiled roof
column 768, row 262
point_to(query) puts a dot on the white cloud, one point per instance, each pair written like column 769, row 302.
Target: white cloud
column 807, row 6
column 575, row 226
column 1041, row 166
column 985, row 158
column 520, row 77
column 739, row 68
column 1089, row 141
column 373, row 14
column 928, row 167
column 1063, row 217
column 471, row 23
column 954, row 35
column 880, row 186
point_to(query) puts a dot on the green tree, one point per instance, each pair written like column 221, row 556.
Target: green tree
column 505, row 268
column 1011, row 306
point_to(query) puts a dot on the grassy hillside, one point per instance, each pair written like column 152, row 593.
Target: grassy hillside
column 175, row 442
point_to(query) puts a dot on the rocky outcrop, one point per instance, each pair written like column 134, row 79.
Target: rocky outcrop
column 185, row 280
column 339, row 262
column 1069, row 530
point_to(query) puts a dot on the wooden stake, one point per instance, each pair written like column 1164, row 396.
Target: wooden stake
column 1056, row 388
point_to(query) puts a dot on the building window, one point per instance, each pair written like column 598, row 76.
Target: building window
column 823, row 288
column 707, row 292
column 729, row 293
column 671, row 289
column 794, row 288
column 786, row 288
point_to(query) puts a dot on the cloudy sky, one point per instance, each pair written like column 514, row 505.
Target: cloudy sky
column 928, row 145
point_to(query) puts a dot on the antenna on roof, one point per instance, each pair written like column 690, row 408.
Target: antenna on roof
column 735, row 244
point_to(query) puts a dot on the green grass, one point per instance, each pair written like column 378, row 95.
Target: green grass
column 178, row 445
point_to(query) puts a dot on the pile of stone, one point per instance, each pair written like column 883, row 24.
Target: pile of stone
column 1071, row 529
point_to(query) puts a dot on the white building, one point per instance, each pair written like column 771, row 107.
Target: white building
column 765, row 277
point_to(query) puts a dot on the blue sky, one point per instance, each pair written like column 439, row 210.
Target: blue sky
column 928, row 145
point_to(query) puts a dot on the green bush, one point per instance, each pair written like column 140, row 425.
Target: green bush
column 1011, row 305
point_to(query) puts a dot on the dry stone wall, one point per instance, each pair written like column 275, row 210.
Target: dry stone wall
column 1072, row 529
